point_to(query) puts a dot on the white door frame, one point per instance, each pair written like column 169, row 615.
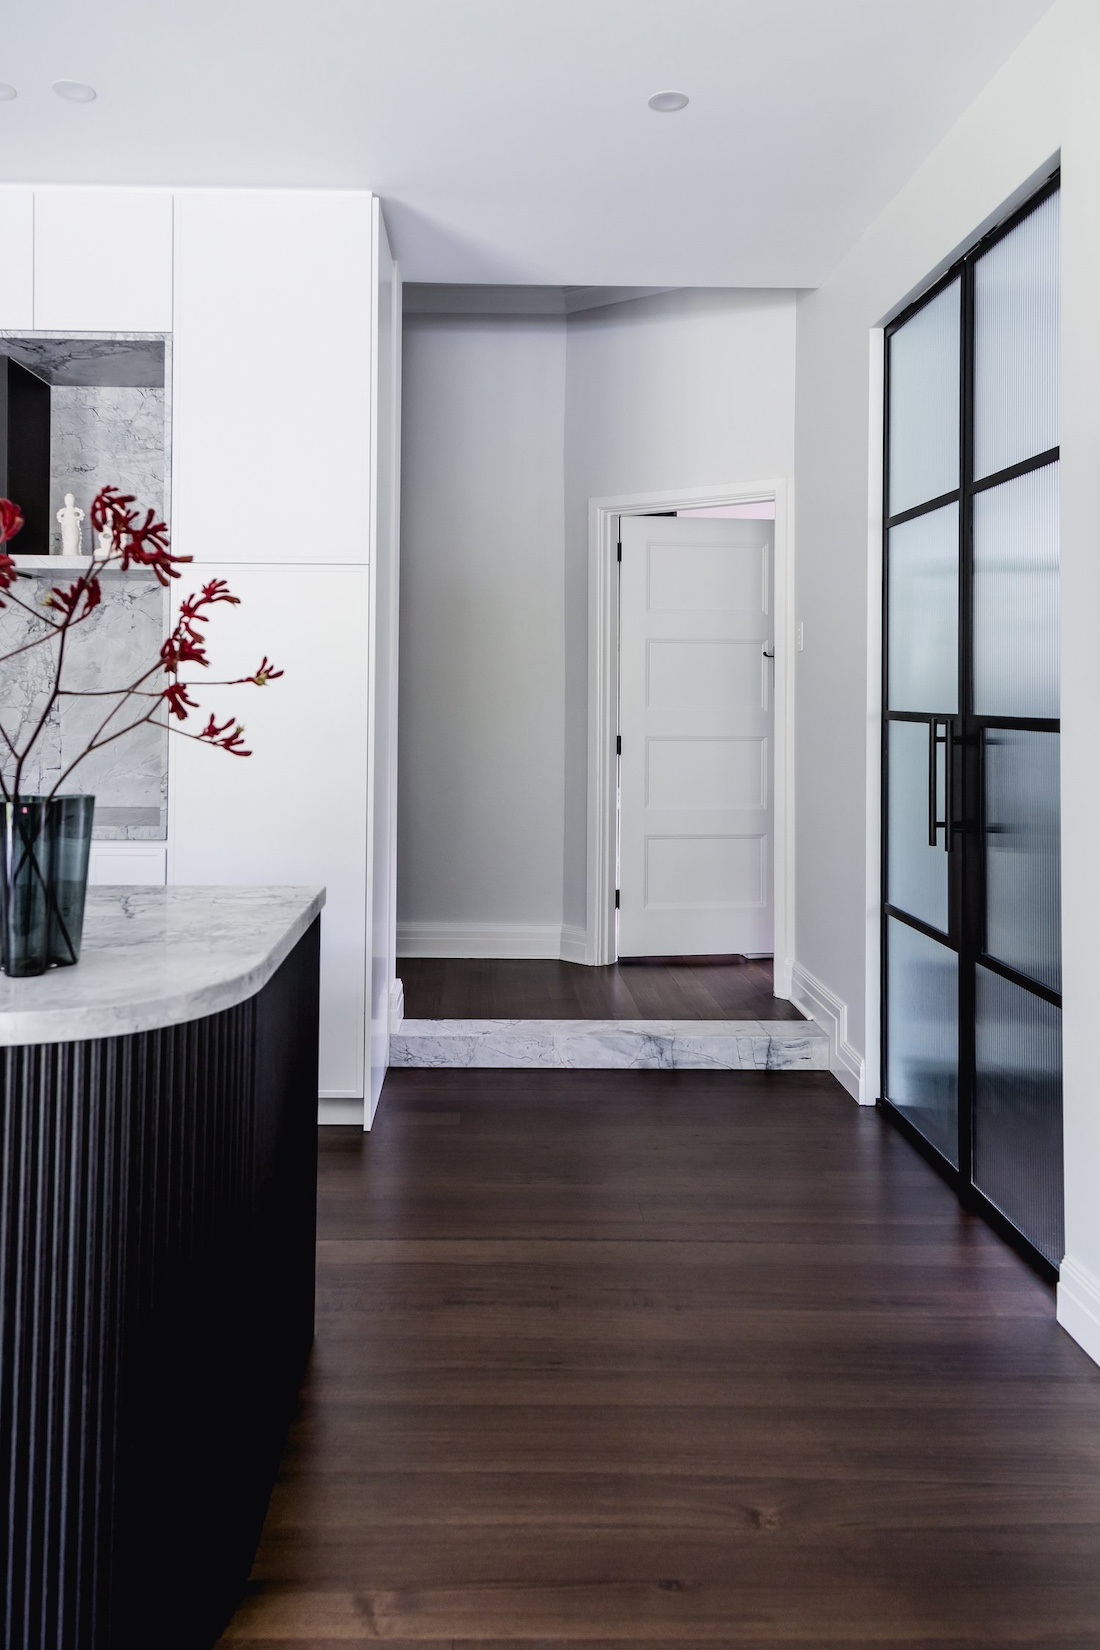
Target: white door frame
column 603, row 704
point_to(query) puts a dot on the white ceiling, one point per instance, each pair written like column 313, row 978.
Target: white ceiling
column 510, row 139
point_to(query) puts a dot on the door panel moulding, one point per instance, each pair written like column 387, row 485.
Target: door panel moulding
column 603, row 704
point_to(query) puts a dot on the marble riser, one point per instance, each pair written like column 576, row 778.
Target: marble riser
column 613, row 1045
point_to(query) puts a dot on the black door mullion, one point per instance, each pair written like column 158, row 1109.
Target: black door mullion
column 966, row 879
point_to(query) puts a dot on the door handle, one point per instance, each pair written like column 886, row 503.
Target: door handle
column 936, row 739
column 768, row 654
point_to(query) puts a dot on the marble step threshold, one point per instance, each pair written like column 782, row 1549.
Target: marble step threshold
column 613, row 1045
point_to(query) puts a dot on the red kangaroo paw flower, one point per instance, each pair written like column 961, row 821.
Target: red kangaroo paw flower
column 179, row 701
column 266, row 673
column 11, row 520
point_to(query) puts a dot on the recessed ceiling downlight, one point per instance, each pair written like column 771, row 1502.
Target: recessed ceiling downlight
column 667, row 103
column 7, row 93
column 74, row 91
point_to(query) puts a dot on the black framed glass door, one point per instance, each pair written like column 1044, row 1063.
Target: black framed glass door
column 971, row 943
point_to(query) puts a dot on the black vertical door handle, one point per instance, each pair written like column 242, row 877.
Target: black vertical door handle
column 936, row 739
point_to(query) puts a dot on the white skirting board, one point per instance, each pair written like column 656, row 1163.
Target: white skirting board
column 574, row 943
column 340, row 1111
column 831, row 1014
column 481, row 939
column 1079, row 1305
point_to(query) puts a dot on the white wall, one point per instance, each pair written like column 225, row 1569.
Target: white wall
column 1042, row 100
column 482, row 647
column 678, row 390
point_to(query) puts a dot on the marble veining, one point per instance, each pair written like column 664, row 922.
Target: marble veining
column 111, row 358
column 618, row 1045
column 157, row 957
column 128, row 778
column 101, row 434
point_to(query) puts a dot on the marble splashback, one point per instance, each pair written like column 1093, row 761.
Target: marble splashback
column 128, row 778
column 105, row 434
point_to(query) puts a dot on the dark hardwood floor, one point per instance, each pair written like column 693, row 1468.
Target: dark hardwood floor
column 672, row 1359
column 438, row 988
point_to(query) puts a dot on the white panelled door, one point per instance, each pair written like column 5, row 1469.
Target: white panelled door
column 695, row 713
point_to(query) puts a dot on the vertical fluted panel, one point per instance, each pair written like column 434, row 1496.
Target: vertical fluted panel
column 924, row 404
column 1016, row 597
column 923, row 615
column 1016, row 344
column 1018, row 1110
column 122, row 1160
column 1023, row 874
column 156, row 1238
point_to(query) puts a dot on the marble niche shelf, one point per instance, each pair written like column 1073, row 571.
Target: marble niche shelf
column 90, row 412
column 61, row 564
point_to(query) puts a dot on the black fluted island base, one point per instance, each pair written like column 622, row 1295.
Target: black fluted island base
column 157, row 1226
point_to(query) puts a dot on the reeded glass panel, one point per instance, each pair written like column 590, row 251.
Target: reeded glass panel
column 922, row 1060
column 1016, row 344
column 1018, row 1110
column 924, row 612
column 924, row 404
column 1016, row 597
column 1022, row 853
column 916, row 875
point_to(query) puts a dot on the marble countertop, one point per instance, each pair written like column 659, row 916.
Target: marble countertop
column 156, row 957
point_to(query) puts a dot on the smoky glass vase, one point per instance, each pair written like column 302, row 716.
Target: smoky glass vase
column 25, row 886
column 70, row 831
column 43, row 881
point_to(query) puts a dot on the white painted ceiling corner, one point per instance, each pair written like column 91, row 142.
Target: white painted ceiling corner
column 512, row 143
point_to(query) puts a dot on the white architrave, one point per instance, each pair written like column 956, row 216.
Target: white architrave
column 603, row 704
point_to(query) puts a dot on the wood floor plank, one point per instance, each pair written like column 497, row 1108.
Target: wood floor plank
column 496, row 989
column 671, row 1360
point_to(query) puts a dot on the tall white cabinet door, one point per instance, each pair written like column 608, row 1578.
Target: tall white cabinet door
column 103, row 260
column 386, row 444
column 695, row 694
column 16, row 258
column 272, row 376
column 295, row 811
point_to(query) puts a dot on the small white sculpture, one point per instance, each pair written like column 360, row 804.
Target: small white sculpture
column 70, row 518
column 106, row 542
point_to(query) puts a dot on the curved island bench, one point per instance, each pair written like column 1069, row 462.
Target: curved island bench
column 157, row 1223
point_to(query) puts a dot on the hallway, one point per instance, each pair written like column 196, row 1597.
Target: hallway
column 672, row 1359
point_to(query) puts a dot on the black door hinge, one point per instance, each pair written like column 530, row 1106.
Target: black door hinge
column 616, row 899
column 619, row 556
column 618, row 744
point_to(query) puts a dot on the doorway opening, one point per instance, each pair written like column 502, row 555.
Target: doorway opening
column 694, row 746
column 690, row 654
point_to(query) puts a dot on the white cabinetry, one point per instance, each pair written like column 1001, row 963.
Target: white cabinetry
column 272, row 376
column 282, row 482
column 16, row 259
column 102, row 260
column 296, row 810
column 386, row 491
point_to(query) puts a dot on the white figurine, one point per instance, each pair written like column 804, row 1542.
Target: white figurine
column 71, row 532
column 106, row 542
